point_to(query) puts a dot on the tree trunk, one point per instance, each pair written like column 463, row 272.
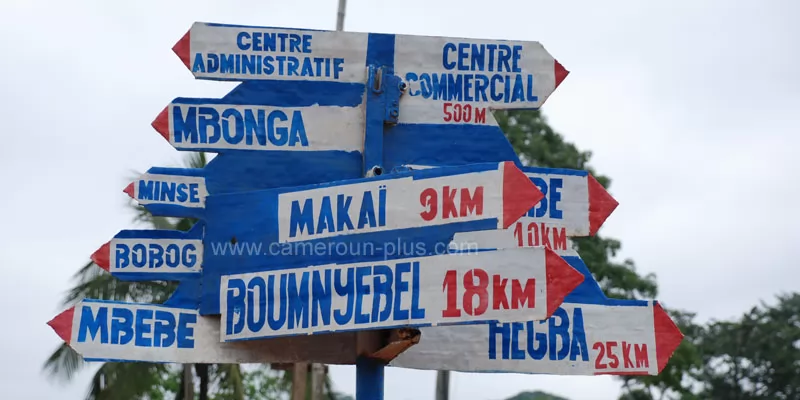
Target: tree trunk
column 186, row 391
column 442, row 385
column 299, row 381
column 202, row 373
column 317, row 381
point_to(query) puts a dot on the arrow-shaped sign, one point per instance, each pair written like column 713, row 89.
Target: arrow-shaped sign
column 153, row 254
column 448, row 289
column 248, row 118
column 589, row 334
column 574, row 205
column 492, row 73
column 411, row 210
column 105, row 330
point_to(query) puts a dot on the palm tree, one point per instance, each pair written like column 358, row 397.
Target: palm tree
column 142, row 380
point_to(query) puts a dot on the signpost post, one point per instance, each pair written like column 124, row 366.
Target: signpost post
column 315, row 146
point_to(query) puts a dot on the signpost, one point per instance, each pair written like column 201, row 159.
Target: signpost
column 152, row 254
column 449, row 289
column 105, row 330
column 310, row 221
column 589, row 334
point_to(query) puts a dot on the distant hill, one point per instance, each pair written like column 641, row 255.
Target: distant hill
column 537, row 395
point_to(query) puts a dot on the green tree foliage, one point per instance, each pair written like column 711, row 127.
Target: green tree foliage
column 537, row 395
column 139, row 380
column 755, row 357
column 538, row 144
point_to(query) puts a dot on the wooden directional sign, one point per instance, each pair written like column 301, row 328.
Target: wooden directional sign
column 589, row 334
column 490, row 73
column 363, row 216
column 153, row 254
column 252, row 121
column 106, row 330
column 574, row 205
column 449, row 289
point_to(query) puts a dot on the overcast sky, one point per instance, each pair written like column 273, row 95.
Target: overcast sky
column 691, row 107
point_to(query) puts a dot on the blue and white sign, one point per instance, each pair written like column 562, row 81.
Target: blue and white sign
column 448, row 289
column 108, row 330
column 450, row 80
column 209, row 125
column 589, row 334
column 140, row 255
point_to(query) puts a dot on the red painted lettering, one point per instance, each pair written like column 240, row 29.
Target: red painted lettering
column 520, row 297
column 450, row 287
column 598, row 362
column 640, row 353
column 428, row 199
column 471, row 289
column 613, row 357
column 480, row 115
column 449, row 203
column 626, row 355
column 546, row 236
column 559, row 239
column 499, row 292
column 472, row 204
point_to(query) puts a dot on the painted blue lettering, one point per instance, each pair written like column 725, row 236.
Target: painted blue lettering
column 298, row 130
column 186, row 332
column 238, row 121
column 121, row 326
column 184, row 129
column 301, row 219
column 235, row 299
column 163, row 329
column 367, row 213
column 143, row 324
column 122, row 255
column 361, row 291
column 347, row 290
column 383, row 289
column 277, row 135
column 173, row 257
column 298, row 301
column 321, row 298
column 256, row 288
column 146, row 190
column 343, row 212
column 410, row 78
column 558, row 341
column 325, row 221
column 276, row 323
column 208, row 117
column 242, row 40
column 93, row 324
column 416, row 311
column 401, row 286
column 448, row 47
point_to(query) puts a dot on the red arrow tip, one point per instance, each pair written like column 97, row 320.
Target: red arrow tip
column 560, row 72
column 181, row 49
column 62, row 324
column 601, row 205
column 161, row 123
column 100, row 257
column 519, row 194
column 129, row 190
column 668, row 336
column 561, row 280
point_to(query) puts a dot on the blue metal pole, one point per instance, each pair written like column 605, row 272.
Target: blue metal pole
column 369, row 379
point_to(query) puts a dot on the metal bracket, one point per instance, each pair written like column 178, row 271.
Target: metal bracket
column 384, row 83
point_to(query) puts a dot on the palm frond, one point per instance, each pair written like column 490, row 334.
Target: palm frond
column 64, row 363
